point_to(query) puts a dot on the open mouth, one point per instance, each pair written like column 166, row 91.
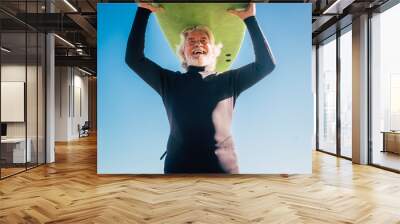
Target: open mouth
column 199, row 52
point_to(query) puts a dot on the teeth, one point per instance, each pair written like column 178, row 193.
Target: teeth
column 197, row 51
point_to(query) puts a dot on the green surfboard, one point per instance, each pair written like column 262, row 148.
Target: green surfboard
column 228, row 29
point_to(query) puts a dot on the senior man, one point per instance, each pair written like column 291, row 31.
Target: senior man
column 200, row 102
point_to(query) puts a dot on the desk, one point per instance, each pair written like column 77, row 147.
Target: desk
column 391, row 141
column 15, row 148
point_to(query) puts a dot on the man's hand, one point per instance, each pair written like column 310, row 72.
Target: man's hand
column 151, row 7
column 249, row 11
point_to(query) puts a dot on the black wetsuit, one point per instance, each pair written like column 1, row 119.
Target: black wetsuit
column 191, row 100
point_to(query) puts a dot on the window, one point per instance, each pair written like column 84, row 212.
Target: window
column 327, row 95
column 22, row 88
column 346, row 74
column 385, row 88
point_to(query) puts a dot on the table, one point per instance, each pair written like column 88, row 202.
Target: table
column 13, row 150
column 391, row 141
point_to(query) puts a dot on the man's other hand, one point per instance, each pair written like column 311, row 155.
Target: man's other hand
column 249, row 11
column 151, row 7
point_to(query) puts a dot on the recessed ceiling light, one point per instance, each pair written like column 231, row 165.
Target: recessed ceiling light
column 337, row 7
column 70, row 5
column 84, row 71
column 5, row 50
column 64, row 40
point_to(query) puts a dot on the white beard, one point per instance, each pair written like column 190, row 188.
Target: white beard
column 203, row 60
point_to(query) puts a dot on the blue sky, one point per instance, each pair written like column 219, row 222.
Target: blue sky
column 273, row 120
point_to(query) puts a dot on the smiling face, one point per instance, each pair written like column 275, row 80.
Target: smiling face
column 197, row 48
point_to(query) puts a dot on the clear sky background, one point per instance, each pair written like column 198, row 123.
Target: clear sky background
column 273, row 120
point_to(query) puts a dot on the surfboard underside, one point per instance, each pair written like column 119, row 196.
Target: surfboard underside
column 228, row 29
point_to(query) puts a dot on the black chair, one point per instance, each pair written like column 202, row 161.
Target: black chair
column 84, row 130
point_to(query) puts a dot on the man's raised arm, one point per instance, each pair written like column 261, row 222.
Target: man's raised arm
column 264, row 63
column 149, row 71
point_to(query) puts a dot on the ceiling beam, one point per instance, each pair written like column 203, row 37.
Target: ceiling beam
column 86, row 26
column 82, row 61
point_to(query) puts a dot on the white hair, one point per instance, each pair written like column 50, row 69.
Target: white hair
column 215, row 49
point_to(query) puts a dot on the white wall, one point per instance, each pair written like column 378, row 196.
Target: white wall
column 70, row 84
column 12, row 101
column 62, row 82
column 12, row 73
column 33, row 127
column 80, row 110
column 16, row 72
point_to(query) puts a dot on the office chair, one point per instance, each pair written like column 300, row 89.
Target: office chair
column 84, row 130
